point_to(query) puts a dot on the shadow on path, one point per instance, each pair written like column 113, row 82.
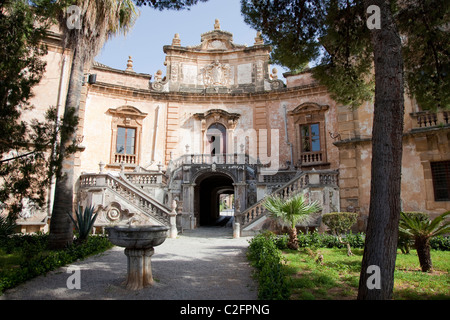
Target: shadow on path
column 201, row 264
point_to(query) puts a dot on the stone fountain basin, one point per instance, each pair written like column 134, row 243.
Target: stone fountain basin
column 137, row 237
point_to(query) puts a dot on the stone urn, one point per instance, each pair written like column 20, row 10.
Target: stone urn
column 138, row 242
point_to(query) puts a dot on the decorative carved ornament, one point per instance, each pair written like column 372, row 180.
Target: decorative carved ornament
column 216, row 74
column 216, row 45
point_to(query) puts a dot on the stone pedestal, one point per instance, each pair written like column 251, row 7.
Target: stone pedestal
column 139, row 268
column 138, row 242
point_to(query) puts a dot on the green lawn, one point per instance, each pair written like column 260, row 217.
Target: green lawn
column 337, row 277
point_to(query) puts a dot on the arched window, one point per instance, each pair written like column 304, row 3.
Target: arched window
column 216, row 136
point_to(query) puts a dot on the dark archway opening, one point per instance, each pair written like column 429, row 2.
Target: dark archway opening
column 210, row 192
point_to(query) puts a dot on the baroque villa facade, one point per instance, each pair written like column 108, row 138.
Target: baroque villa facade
column 162, row 149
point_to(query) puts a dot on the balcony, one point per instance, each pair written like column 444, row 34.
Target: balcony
column 225, row 158
column 312, row 159
column 125, row 158
column 424, row 120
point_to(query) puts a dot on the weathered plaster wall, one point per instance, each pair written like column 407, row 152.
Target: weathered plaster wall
column 98, row 130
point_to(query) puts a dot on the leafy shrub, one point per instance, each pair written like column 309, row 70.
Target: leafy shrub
column 261, row 246
column 440, row 243
column 281, row 241
column 356, row 240
column 339, row 222
column 43, row 260
column 323, row 240
column 267, row 259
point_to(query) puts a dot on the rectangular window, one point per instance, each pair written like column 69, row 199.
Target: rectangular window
column 125, row 140
column 310, row 137
column 440, row 172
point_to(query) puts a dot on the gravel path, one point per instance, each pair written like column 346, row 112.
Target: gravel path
column 201, row 264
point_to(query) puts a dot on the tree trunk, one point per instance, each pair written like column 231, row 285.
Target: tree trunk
column 384, row 210
column 293, row 240
column 423, row 251
column 349, row 248
column 61, row 229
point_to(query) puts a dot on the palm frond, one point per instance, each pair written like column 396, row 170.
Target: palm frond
column 292, row 210
column 416, row 226
column 437, row 221
column 274, row 206
column 100, row 19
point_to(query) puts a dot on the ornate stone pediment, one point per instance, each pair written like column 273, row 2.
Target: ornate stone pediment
column 309, row 107
column 229, row 120
column 128, row 112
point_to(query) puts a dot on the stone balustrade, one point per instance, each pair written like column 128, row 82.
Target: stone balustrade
column 313, row 178
column 280, row 177
column 225, row 158
column 128, row 192
column 125, row 158
column 311, row 157
column 429, row 119
column 139, row 178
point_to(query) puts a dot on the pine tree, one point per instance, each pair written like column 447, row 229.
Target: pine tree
column 357, row 63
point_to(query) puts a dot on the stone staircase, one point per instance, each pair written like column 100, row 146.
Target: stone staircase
column 321, row 186
column 142, row 197
column 119, row 198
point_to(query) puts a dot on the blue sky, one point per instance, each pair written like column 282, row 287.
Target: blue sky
column 154, row 29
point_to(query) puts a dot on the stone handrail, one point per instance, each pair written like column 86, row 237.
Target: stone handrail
column 297, row 184
column 280, row 177
column 132, row 194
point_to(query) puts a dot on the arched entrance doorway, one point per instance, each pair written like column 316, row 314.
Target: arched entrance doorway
column 211, row 189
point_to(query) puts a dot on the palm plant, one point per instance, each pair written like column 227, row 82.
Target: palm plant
column 100, row 19
column 422, row 230
column 290, row 212
column 84, row 222
column 7, row 225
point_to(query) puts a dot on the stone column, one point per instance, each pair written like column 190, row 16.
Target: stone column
column 188, row 205
column 240, row 200
column 173, row 220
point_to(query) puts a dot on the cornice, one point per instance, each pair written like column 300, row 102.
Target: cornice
column 282, row 93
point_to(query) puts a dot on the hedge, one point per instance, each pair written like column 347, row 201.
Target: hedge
column 267, row 259
column 38, row 261
column 323, row 240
